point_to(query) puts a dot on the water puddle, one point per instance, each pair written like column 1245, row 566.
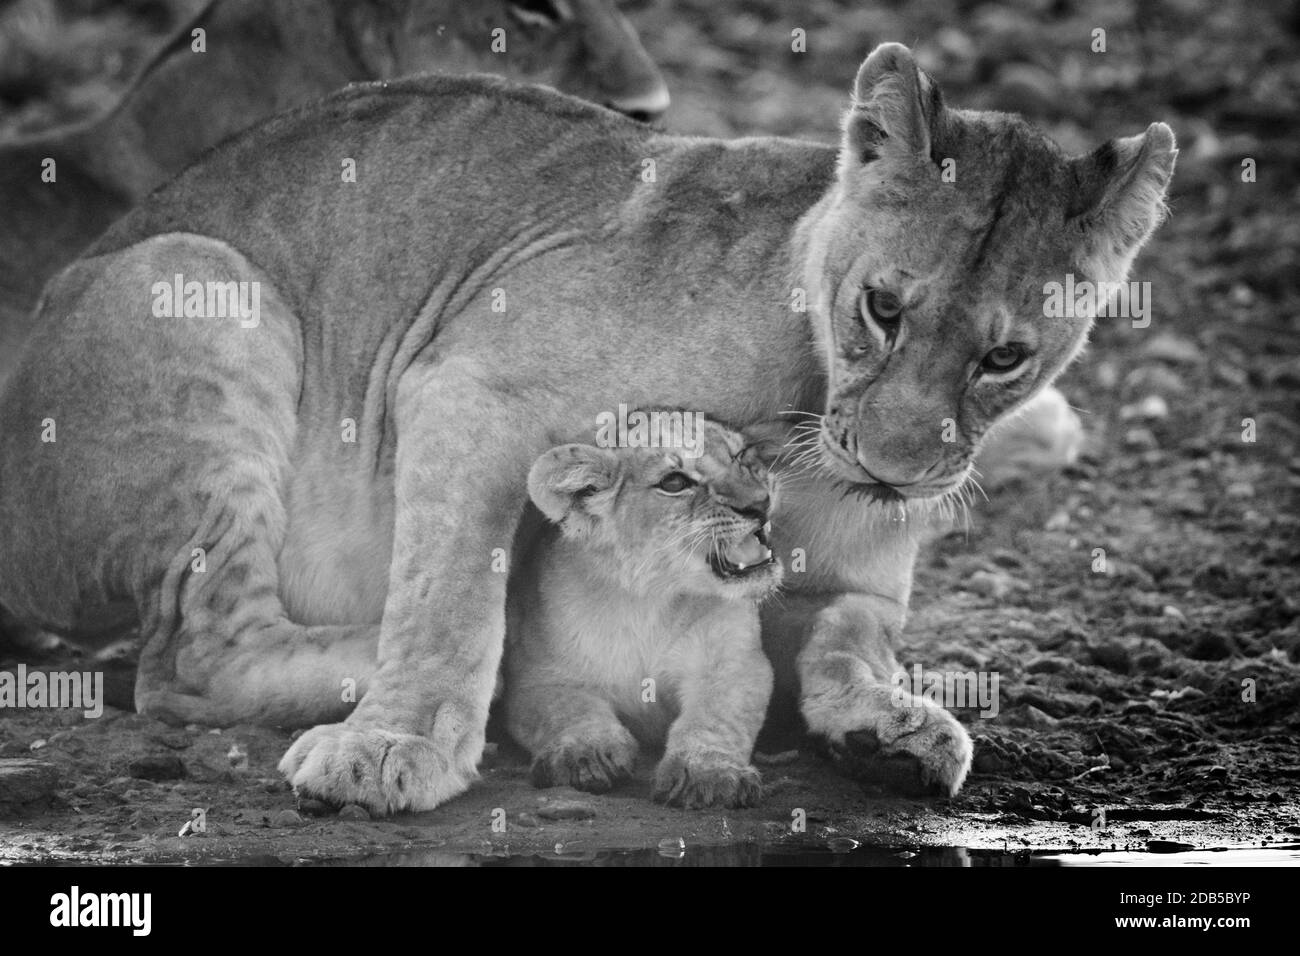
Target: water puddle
column 672, row 853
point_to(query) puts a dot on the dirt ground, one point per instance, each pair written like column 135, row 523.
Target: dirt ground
column 1164, row 689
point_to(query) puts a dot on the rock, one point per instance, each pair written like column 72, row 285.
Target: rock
column 527, row 819
column 25, row 782
column 1210, row 646
column 1031, row 716
column 1151, row 408
column 157, row 767
column 1141, row 439
column 1168, row 846
column 354, row 812
column 992, row 584
column 1175, row 349
column 288, row 818
column 1218, row 772
column 567, row 810
column 1112, row 655
column 1240, row 489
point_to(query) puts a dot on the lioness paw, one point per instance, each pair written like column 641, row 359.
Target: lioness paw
column 908, row 746
column 382, row 771
column 592, row 765
column 696, row 782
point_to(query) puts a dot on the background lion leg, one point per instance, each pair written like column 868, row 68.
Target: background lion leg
column 848, row 697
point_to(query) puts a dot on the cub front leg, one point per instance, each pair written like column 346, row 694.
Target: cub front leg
column 849, row 697
column 706, row 760
column 573, row 734
column 415, row 739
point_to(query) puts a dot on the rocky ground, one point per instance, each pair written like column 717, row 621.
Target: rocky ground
column 1160, row 684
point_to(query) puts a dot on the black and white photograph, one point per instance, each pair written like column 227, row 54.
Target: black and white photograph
column 662, row 433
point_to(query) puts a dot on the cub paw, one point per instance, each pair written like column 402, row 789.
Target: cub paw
column 595, row 766
column 382, row 771
column 696, row 782
column 909, row 746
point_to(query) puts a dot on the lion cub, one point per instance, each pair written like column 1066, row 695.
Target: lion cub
column 636, row 618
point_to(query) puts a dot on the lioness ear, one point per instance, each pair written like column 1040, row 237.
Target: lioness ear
column 1121, row 196
column 895, row 108
column 571, row 484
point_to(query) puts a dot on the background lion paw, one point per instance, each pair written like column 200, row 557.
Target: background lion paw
column 911, row 747
column 592, row 765
column 697, row 782
column 384, row 772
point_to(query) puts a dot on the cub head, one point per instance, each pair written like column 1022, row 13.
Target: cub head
column 928, row 260
column 686, row 519
column 582, row 47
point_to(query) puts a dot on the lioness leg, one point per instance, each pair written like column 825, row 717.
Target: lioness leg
column 846, row 672
column 415, row 740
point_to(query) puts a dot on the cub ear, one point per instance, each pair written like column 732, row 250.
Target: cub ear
column 571, row 484
column 1121, row 196
column 895, row 109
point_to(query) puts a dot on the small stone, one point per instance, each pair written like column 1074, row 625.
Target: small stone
column 1141, row 439
column 1218, row 772
column 1174, row 349
column 1059, row 521
column 238, row 757
column 157, row 767
column 1033, row 717
column 288, row 818
column 1240, row 490
column 526, row 819
column 354, row 812
column 1151, row 408
column 567, row 810
column 1168, row 846
column 991, row 584
column 1172, row 612
column 842, row 844
column 27, row 781
column 37, row 744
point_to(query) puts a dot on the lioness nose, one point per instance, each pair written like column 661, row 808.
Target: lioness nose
column 643, row 107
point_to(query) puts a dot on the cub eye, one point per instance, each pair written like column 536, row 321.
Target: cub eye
column 674, row 483
column 885, row 309
column 1003, row 358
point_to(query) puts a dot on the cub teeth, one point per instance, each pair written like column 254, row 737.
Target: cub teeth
column 767, row 528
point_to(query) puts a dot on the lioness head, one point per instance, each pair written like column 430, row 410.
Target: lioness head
column 928, row 262
column 582, row 47
column 668, row 521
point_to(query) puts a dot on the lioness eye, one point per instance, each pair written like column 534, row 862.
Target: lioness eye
column 674, row 483
column 885, row 309
column 1004, row 358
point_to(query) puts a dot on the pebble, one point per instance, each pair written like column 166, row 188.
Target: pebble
column 27, row 781
column 287, row 818
column 1240, row 489
column 1174, row 349
column 1151, row 408
column 527, row 819
column 567, row 810
column 355, row 812
column 991, row 584
column 1141, row 439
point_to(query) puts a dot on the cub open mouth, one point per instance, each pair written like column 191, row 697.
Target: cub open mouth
column 743, row 557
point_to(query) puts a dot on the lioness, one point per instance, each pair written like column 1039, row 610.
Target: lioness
column 639, row 610
column 326, row 490
column 238, row 61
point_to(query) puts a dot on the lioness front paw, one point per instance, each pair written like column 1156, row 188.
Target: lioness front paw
column 384, row 772
column 696, row 782
column 903, row 743
column 594, row 765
